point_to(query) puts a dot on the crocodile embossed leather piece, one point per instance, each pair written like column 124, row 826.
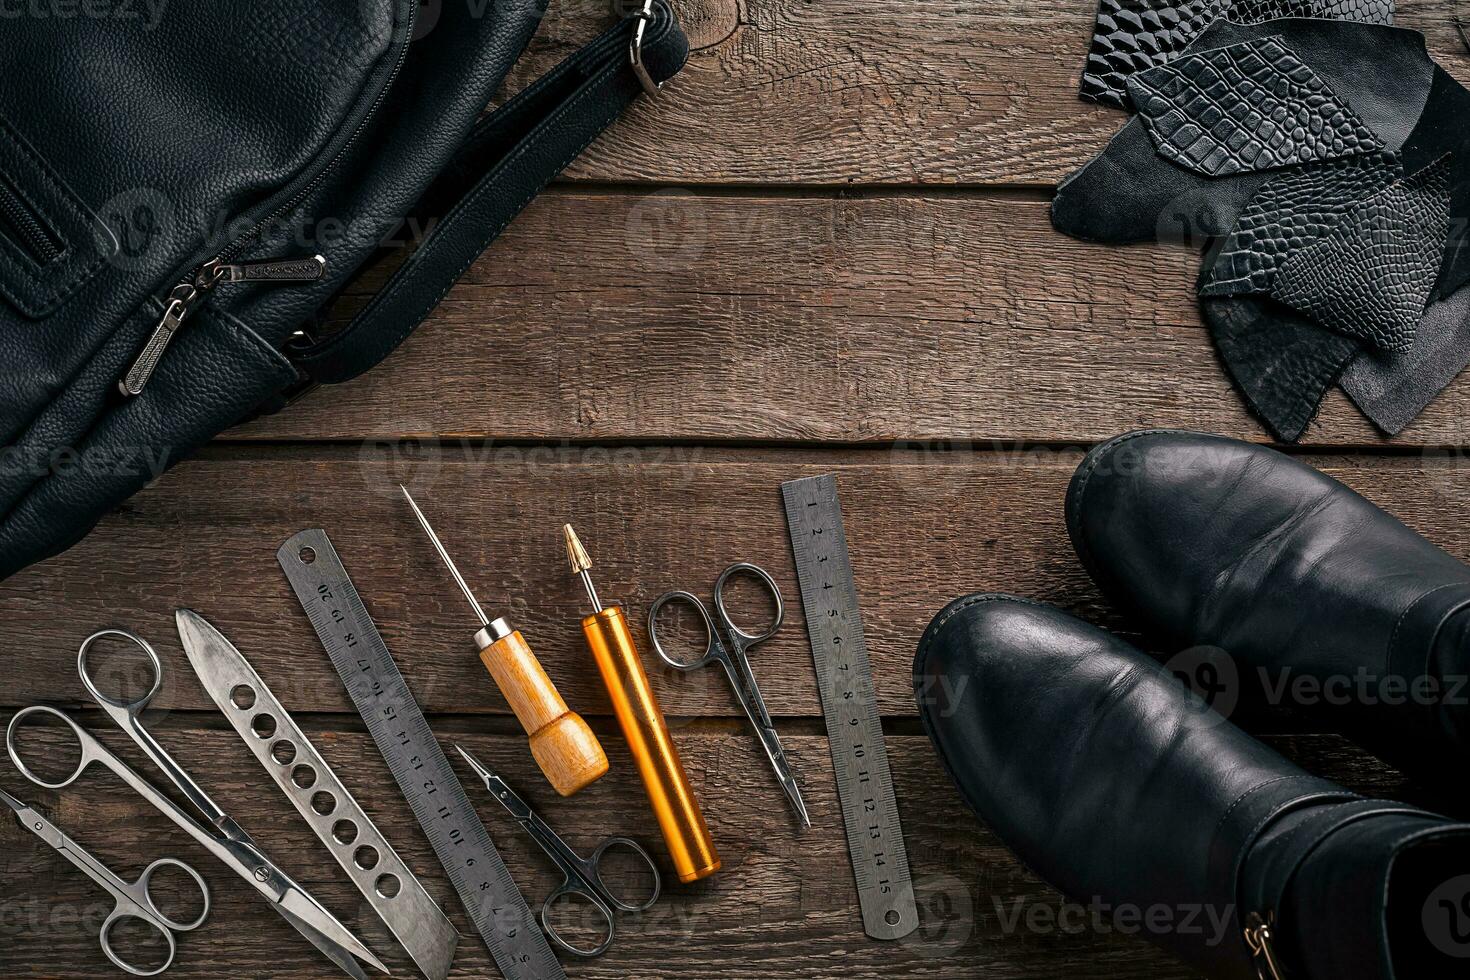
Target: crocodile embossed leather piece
column 1392, row 389
column 1282, row 363
column 1287, row 214
column 1134, row 35
column 1127, row 193
column 1370, row 276
column 1246, row 107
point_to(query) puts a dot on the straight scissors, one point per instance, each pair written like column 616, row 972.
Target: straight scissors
column 583, row 876
column 222, row 837
column 731, row 653
column 134, row 901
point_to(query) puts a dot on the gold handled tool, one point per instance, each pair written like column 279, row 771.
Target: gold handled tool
column 633, row 700
column 564, row 747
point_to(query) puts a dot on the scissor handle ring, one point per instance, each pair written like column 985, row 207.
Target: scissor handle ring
column 146, row 879
column 121, row 914
column 83, row 739
column 595, row 863
column 710, row 642
column 92, row 688
column 747, row 568
column 586, row 952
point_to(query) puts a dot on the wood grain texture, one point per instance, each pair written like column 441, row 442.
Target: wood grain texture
column 923, row 528
column 783, row 907
column 843, row 92
column 675, row 316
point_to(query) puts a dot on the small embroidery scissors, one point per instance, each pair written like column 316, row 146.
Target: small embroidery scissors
column 219, row 834
column 583, row 876
column 134, row 901
column 731, row 653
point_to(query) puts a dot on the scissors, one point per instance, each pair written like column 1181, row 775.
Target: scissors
column 219, row 834
column 134, row 901
column 583, row 875
column 731, row 654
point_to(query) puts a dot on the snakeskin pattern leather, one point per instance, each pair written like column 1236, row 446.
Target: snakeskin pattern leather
column 1133, row 35
column 1290, row 212
column 1371, row 275
column 1246, row 107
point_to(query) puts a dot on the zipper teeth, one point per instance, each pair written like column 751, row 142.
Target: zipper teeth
column 235, row 247
column 26, row 226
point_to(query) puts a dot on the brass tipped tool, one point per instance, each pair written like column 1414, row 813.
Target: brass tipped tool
column 564, row 747
column 633, row 700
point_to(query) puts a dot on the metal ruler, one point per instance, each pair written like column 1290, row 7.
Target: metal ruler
column 854, row 730
column 494, row 903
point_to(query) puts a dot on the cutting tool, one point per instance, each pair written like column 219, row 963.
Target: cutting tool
column 728, row 645
column 219, row 834
column 582, row 877
column 134, row 901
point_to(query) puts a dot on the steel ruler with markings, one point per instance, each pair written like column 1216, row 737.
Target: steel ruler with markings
column 854, row 729
column 494, row 904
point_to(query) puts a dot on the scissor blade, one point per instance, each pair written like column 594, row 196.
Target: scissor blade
column 771, row 742
column 498, row 787
column 329, row 949
column 304, row 908
column 13, row 803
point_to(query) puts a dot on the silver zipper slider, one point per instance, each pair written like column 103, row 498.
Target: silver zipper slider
column 186, row 296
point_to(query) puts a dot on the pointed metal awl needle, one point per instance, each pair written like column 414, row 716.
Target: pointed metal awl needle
column 444, row 555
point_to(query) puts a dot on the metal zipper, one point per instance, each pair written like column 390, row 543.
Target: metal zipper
column 27, row 228
column 187, row 296
column 1259, row 936
column 189, row 293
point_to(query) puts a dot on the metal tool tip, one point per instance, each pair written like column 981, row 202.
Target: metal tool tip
column 575, row 552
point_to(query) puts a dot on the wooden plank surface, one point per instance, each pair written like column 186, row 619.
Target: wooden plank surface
column 923, row 529
column 783, row 908
column 683, row 316
column 843, row 92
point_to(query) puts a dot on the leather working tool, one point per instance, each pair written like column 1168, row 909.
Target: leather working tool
column 834, row 625
column 642, row 721
column 134, row 901
column 218, row 834
column 289, row 758
column 565, row 748
column 728, row 645
column 428, row 782
column 582, row 877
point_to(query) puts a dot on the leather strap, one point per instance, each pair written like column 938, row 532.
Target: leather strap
column 507, row 159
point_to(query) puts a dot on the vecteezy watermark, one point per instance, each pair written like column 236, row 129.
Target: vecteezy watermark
column 1021, row 914
column 1446, row 917
column 149, row 12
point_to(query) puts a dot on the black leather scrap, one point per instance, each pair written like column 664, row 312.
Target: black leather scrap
column 1128, row 193
column 1290, row 212
column 1444, row 128
column 1282, row 363
column 1370, row 276
column 1392, row 389
column 1134, row 35
column 1250, row 106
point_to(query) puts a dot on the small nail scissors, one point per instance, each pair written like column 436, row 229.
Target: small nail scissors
column 731, row 653
column 134, row 901
column 219, row 834
column 583, row 875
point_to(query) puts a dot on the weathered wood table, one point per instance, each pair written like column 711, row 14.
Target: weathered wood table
column 824, row 248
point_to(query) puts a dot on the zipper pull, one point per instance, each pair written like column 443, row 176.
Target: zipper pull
column 187, row 296
column 1259, row 933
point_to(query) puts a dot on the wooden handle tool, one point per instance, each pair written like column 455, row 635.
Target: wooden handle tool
column 565, row 748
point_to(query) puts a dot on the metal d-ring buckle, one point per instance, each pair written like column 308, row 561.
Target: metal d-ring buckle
column 635, row 48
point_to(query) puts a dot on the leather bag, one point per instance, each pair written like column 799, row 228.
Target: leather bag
column 186, row 188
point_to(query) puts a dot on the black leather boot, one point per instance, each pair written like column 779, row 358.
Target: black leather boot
column 1323, row 603
column 1119, row 786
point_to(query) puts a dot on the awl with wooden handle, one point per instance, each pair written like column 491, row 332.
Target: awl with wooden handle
column 564, row 747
